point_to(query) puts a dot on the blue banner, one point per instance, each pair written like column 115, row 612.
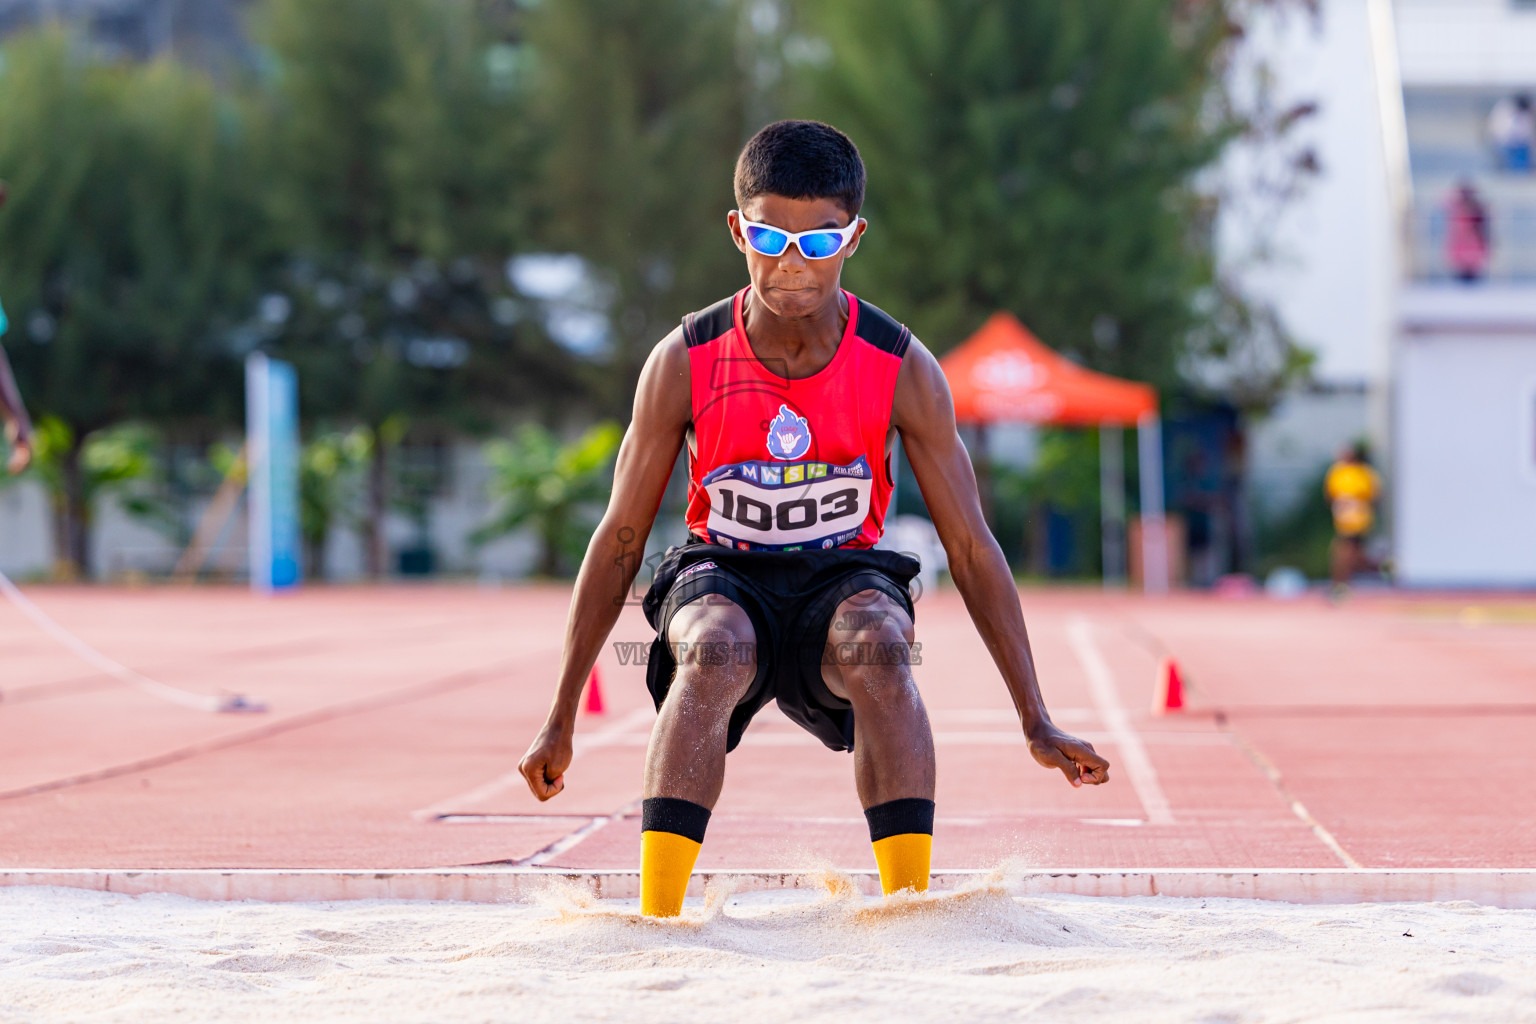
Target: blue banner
column 272, row 455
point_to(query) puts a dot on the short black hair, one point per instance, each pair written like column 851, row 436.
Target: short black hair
column 801, row 160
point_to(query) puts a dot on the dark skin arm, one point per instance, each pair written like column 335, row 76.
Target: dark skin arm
column 924, row 414
column 18, row 429
column 663, row 409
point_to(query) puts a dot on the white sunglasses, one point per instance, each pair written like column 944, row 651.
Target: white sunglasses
column 817, row 244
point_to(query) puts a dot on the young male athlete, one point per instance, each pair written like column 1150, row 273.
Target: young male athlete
column 789, row 395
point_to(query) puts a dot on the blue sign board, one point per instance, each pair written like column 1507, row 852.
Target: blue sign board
column 272, row 455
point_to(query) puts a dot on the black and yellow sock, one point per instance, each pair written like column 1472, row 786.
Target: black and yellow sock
column 671, row 833
column 902, row 833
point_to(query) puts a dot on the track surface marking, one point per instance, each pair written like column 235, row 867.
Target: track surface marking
column 1390, row 733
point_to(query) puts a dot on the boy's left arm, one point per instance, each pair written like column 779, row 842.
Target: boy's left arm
column 924, row 414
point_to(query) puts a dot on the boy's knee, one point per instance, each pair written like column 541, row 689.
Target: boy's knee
column 869, row 646
column 714, row 646
column 870, row 614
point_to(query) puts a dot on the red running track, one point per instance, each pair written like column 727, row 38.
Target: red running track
column 1391, row 732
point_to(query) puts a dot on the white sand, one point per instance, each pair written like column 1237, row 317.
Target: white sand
column 981, row 955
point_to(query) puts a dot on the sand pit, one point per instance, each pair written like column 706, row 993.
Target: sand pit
column 977, row 955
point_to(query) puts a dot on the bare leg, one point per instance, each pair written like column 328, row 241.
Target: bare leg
column 716, row 666
column 866, row 666
column 1340, row 561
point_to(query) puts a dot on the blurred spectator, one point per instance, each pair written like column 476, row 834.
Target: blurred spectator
column 1512, row 127
column 1466, row 233
column 18, row 429
column 1352, row 488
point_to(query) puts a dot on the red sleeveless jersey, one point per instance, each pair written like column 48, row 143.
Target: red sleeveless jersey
column 783, row 465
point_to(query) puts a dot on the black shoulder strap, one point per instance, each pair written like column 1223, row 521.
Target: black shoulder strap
column 709, row 323
column 878, row 328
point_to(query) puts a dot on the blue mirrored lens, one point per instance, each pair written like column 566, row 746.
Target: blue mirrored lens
column 768, row 241
column 820, row 245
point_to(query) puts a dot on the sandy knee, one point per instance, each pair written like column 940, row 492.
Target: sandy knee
column 869, row 652
column 715, row 648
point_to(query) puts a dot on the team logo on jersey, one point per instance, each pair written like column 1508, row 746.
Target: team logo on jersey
column 789, row 436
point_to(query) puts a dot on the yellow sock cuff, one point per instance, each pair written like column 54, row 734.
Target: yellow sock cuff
column 904, row 861
column 902, row 834
column 666, row 861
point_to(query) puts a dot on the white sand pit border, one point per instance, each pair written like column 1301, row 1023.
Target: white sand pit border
column 1513, row 889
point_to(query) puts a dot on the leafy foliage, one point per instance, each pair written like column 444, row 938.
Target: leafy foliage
column 331, row 470
column 1299, row 536
column 640, row 112
column 123, row 250
column 398, row 162
column 398, row 167
column 1063, row 481
column 120, row 248
column 1038, row 157
column 539, row 482
column 118, row 463
column 352, row 203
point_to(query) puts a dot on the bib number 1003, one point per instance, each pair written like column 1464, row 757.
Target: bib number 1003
column 795, row 514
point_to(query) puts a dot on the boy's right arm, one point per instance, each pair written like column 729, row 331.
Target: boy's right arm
column 663, row 409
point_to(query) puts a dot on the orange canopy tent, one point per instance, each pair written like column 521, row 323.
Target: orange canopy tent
column 1003, row 373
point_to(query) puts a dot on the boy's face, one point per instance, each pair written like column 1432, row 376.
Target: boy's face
column 789, row 284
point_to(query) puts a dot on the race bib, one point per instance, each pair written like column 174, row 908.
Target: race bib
column 788, row 506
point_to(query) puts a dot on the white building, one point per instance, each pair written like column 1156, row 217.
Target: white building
column 1439, row 374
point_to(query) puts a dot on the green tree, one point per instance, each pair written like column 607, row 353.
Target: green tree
column 331, row 467
column 395, row 138
column 1039, row 157
column 640, row 107
column 128, row 237
column 1064, row 479
column 118, row 463
column 539, row 482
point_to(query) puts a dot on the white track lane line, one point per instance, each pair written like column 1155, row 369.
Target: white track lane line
column 565, row 842
column 588, row 821
column 987, row 739
column 991, row 738
column 1133, row 753
column 1299, row 809
column 614, row 734
column 116, row 669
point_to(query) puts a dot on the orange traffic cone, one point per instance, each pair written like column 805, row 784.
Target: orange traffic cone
column 1170, row 689
column 594, row 705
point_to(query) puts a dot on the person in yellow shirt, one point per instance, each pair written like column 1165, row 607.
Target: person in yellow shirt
column 1352, row 488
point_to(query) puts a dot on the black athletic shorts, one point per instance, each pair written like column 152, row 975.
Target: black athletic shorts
column 790, row 597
